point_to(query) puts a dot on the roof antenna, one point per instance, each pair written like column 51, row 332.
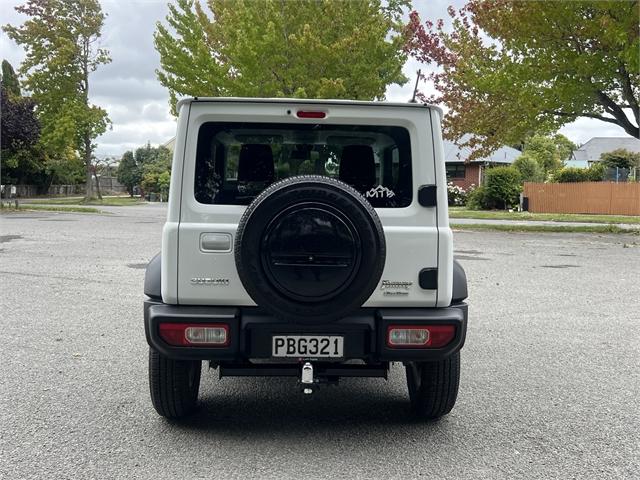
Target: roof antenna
column 415, row 89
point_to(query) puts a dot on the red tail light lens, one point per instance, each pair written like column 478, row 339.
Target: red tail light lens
column 310, row 114
column 195, row 334
column 420, row 336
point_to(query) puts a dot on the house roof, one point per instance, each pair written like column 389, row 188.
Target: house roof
column 455, row 154
column 170, row 144
column 591, row 151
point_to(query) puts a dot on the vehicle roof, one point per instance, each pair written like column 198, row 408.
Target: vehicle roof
column 359, row 103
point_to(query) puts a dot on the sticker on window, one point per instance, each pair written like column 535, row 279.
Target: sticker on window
column 380, row 192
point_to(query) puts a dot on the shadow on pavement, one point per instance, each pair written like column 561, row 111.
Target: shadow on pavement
column 275, row 407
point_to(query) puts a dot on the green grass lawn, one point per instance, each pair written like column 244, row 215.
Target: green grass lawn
column 50, row 208
column 106, row 201
column 567, row 228
column 461, row 212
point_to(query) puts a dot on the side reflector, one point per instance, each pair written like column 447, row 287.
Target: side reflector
column 195, row 334
column 310, row 114
column 422, row 336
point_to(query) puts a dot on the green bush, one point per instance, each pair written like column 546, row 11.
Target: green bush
column 621, row 158
column 529, row 168
column 572, row 175
column 503, row 186
column 476, row 200
column 596, row 172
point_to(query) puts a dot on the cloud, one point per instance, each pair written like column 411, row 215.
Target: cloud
column 138, row 105
column 584, row 129
column 127, row 87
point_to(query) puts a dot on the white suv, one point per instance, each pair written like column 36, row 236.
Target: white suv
column 310, row 239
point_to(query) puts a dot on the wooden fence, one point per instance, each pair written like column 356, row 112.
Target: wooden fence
column 584, row 197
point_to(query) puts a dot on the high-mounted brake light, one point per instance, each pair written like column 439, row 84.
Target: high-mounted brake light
column 423, row 336
column 195, row 334
column 310, row 114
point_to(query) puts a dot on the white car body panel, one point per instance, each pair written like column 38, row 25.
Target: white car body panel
column 417, row 237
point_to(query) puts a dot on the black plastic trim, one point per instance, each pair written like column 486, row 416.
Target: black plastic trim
column 428, row 195
column 428, row 278
column 460, row 292
column 454, row 315
column 251, row 329
column 156, row 312
column 152, row 278
column 293, row 370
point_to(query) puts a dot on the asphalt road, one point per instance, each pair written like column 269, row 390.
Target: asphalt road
column 550, row 378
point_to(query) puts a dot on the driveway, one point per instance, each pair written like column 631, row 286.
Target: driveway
column 549, row 389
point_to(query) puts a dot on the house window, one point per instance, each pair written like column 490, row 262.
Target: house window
column 456, row 170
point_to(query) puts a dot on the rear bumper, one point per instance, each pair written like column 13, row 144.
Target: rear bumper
column 251, row 329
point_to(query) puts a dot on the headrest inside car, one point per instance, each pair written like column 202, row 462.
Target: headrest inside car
column 358, row 167
column 255, row 163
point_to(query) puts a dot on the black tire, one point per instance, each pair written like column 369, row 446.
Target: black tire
column 174, row 384
column 310, row 249
column 433, row 386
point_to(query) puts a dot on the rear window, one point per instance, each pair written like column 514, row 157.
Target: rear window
column 237, row 161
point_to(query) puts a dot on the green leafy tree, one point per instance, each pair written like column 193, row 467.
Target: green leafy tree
column 621, row 158
column 10, row 81
column 22, row 160
column 549, row 152
column 148, row 167
column 269, row 48
column 509, row 68
column 60, row 40
column 129, row 173
column 529, row 168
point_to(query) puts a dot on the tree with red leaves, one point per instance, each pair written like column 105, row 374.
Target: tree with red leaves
column 509, row 69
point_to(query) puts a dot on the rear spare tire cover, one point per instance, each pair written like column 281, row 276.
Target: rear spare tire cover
column 310, row 249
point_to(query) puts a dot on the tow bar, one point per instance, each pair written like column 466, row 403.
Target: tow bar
column 307, row 378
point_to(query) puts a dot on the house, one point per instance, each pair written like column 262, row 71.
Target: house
column 590, row 152
column 170, row 144
column 464, row 173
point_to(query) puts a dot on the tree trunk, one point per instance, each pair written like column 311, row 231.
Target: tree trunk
column 87, row 164
column 95, row 175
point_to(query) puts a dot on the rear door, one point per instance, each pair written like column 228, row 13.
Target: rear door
column 217, row 130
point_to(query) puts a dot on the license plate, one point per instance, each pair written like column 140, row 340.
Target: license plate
column 317, row 346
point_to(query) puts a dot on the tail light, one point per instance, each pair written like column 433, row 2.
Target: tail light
column 195, row 334
column 310, row 114
column 420, row 336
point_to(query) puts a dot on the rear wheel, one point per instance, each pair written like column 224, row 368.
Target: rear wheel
column 433, row 386
column 174, row 384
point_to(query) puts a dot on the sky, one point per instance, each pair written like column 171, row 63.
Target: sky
column 138, row 105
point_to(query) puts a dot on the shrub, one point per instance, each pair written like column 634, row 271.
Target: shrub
column 457, row 195
column 503, row 186
column 596, row 172
column 529, row 168
column 621, row 158
column 572, row 175
column 476, row 199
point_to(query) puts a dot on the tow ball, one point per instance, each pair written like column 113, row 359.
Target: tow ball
column 306, row 378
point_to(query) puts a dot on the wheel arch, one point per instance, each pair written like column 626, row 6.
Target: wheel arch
column 460, row 291
column 153, row 277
